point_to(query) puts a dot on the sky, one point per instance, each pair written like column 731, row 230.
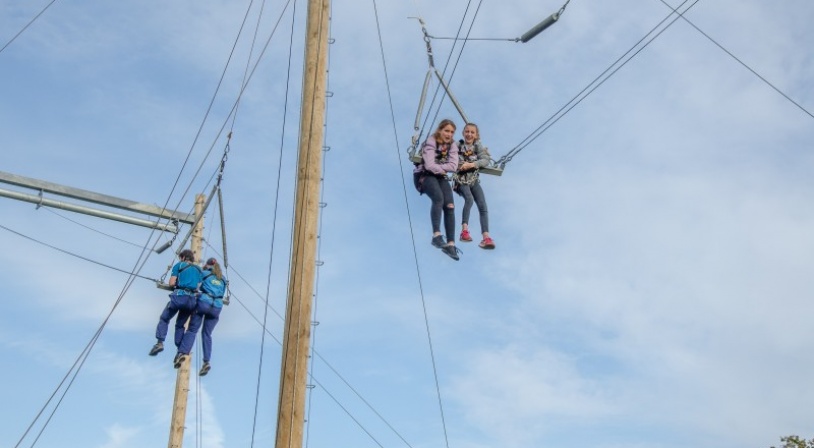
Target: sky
column 651, row 283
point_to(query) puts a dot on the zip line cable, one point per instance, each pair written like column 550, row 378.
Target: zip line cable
column 73, row 372
column 139, row 264
column 248, row 73
column 460, row 52
column 48, row 209
column 273, row 225
column 204, row 120
column 776, row 89
column 72, row 254
column 592, row 86
column 412, row 233
column 231, row 112
column 27, row 25
column 316, row 353
column 446, row 66
column 84, row 355
column 322, row 386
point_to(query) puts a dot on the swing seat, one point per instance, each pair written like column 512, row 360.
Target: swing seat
column 492, row 169
column 164, row 286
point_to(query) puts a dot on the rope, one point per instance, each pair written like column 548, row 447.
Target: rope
column 274, row 224
column 776, row 89
column 412, row 233
column 143, row 257
column 74, row 254
column 317, row 355
column 27, row 25
column 598, row 81
column 446, row 65
column 91, row 228
column 73, row 372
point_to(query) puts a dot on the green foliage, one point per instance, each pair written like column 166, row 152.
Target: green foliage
column 796, row 442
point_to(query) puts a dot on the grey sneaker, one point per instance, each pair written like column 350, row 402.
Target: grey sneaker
column 204, row 369
column 438, row 241
column 157, row 348
column 179, row 359
column 452, row 251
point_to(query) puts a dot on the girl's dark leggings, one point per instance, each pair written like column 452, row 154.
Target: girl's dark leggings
column 439, row 191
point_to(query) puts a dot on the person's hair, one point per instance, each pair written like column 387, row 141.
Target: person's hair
column 186, row 255
column 444, row 123
column 477, row 129
column 212, row 265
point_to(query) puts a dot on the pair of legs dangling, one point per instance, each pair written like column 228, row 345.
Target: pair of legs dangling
column 181, row 304
column 473, row 194
column 440, row 193
column 198, row 314
column 207, row 316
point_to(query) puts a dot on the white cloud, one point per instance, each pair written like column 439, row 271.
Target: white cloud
column 119, row 436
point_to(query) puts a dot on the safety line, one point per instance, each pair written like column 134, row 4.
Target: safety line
column 274, row 223
column 446, row 66
column 598, row 81
column 776, row 89
column 27, row 25
column 410, row 225
column 48, row 209
column 67, row 252
column 138, row 265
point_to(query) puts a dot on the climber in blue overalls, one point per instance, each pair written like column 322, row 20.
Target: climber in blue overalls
column 186, row 278
column 210, row 303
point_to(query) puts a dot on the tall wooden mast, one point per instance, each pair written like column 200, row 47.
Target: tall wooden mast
column 297, row 335
column 179, row 404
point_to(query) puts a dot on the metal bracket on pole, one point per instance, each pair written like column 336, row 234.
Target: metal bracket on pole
column 43, row 187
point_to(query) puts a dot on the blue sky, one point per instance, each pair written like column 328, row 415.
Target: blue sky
column 651, row 284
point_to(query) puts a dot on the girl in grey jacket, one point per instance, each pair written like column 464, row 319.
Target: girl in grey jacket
column 472, row 157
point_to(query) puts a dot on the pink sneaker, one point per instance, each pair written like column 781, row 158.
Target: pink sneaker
column 465, row 236
column 487, row 243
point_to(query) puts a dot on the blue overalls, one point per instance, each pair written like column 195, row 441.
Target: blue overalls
column 182, row 300
column 210, row 304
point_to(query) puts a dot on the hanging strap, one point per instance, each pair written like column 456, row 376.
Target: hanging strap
column 413, row 151
column 215, row 188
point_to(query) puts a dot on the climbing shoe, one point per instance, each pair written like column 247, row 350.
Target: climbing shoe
column 157, row 348
column 465, row 236
column 204, row 369
column 487, row 243
column 179, row 359
column 452, row 251
column 438, row 241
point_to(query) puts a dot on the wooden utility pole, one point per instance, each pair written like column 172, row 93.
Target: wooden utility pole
column 297, row 333
column 179, row 404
